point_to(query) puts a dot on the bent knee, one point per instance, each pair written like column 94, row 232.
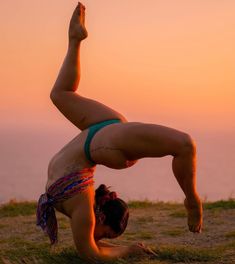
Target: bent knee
column 54, row 96
column 61, row 99
column 188, row 145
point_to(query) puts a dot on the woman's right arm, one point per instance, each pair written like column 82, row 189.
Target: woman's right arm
column 83, row 224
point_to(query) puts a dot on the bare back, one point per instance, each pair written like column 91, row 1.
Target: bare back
column 104, row 149
column 69, row 159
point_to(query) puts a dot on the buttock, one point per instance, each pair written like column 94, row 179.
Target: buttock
column 92, row 130
column 105, row 147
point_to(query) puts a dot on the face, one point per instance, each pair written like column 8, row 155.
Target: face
column 103, row 231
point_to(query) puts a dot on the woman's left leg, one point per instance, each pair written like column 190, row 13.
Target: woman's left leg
column 82, row 112
column 138, row 140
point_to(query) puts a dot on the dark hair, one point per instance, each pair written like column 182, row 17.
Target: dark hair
column 115, row 209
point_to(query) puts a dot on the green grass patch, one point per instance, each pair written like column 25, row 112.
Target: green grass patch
column 229, row 204
column 186, row 254
column 63, row 224
column 14, row 208
column 179, row 214
column 173, row 232
column 226, row 246
column 230, row 234
column 230, row 245
column 19, row 249
column 145, row 235
column 129, row 236
column 145, row 219
column 140, row 204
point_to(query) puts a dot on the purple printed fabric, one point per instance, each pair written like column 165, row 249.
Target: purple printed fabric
column 63, row 189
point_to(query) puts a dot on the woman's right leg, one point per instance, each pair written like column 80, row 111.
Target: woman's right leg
column 81, row 111
column 139, row 140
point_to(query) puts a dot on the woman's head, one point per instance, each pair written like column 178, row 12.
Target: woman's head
column 111, row 213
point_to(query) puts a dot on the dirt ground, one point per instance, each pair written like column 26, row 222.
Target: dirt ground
column 162, row 227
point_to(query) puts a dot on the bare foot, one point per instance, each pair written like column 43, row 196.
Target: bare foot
column 194, row 215
column 77, row 29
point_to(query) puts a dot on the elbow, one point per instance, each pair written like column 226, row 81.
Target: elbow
column 88, row 255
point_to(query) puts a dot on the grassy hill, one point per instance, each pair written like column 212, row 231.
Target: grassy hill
column 160, row 225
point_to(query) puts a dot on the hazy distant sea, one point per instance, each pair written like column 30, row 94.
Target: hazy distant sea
column 25, row 154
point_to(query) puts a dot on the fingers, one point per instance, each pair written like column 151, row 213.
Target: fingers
column 140, row 244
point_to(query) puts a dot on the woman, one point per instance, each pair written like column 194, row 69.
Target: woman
column 108, row 139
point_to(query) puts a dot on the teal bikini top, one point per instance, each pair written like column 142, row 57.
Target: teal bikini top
column 92, row 131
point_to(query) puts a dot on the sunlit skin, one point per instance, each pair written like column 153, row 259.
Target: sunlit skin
column 116, row 146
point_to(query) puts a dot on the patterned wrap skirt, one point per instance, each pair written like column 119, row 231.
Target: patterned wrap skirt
column 61, row 190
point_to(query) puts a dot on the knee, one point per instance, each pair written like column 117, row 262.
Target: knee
column 56, row 97
column 188, row 145
column 53, row 96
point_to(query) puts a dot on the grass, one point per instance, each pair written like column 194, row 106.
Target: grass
column 64, row 224
column 145, row 219
column 14, row 208
column 173, row 232
column 185, row 254
column 21, row 242
column 135, row 204
column 141, row 204
column 145, row 235
column 21, row 249
column 229, row 204
column 227, row 246
column 230, row 234
column 179, row 214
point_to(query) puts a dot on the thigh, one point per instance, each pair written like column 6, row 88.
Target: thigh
column 81, row 111
column 139, row 140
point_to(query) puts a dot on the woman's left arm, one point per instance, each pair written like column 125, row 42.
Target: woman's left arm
column 105, row 244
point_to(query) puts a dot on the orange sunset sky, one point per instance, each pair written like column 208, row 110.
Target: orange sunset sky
column 168, row 62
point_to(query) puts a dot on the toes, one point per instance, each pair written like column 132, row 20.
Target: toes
column 195, row 229
column 80, row 5
column 190, row 228
column 79, row 12
column 80, row 8
column 199, row 229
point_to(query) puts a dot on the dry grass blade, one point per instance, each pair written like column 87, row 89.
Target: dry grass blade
column 6, row 261
column 151, row 252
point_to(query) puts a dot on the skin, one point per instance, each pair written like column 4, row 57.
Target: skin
column 116, row 146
